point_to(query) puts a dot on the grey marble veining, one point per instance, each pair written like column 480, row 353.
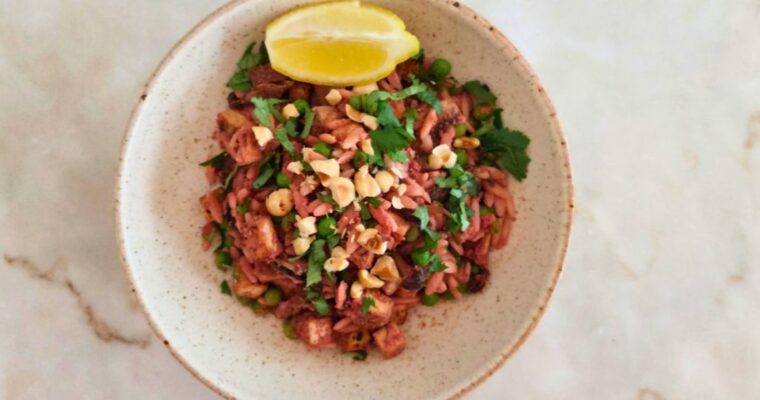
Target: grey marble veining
column 661, row 106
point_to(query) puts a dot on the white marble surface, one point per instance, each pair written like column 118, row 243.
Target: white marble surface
column 660, row 298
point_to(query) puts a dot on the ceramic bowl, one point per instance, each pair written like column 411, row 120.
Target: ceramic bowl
column 451, row 347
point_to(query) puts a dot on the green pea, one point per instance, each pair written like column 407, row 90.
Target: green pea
column 282, row 181
column 440, row 68
column 288, row 329
column 462, row 157
column 461, row 129
column 448, row 296
column 323, row 149
column 485, row 210
column 421, row 257
column 412, row 234
column 223, row 260
column 273, row 296
column 430, row 299
column 326, row 226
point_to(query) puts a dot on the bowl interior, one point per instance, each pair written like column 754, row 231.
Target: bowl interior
column 449, row 347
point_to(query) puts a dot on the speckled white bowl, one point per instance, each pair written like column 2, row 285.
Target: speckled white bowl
column 450, row 347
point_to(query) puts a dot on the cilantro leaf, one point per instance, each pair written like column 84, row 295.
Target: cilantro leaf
column 411, row 115
column 317, row 258
column 508, row 148
column 327, row 199
column 263, row 108
column 398, row 156
column 267, row 167
column 480, row 92
column 385, row 116
column 308, row 116
column 317, row 299
column 436, row 265
column 423, row 215
column 281, row 134
column 225, row 287
column 240, row 80
column 231, row 175
column 216, row 161
column 390, row 139
column 431, row 98
column 367, row 302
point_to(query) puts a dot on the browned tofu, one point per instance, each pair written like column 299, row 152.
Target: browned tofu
column 315, row 332
column 389, row 340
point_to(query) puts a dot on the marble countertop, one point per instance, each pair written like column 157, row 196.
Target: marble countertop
column 660, row 101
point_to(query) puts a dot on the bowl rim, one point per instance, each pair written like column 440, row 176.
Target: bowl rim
column 469, row 13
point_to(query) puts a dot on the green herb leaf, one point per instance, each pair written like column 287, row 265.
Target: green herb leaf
column 317, row 299
column 480, row 92
column 268, row 166
column 216, row 161
column 390, row 139
column 327, row 199
column 420, row 55
column 359, row 355
column 281, row 134
column 399, row 156
column 385, row 116
column 225, row 287
column 240, row 80
column 435, row 264
column 430, row 97
column 411, row 115
column 231, row 175
column 263, row 108
column 508, row 148
column 423, row 215
column 242, row 208
column 374, row 201
column 367, row 302
column 317, row 258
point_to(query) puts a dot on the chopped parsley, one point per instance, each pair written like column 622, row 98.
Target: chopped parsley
column 225, row 287
column 267, row 167
column 317, row 258
column 374, row 201
column 385, row 116
column 231, row 175
column 243, row 207
column 507, row 148
column 317, row 299
column 263, row 108
column 423, row 215
column 410, row 116
column 367, row 302
column 216, row 161
column 480, row 92
column 326, row 198
column 308, row 116
column 390, row 139
column 281, row 134
column 240, row 80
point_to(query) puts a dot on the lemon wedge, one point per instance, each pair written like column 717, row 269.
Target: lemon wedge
column 343, row 43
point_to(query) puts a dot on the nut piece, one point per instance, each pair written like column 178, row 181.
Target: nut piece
column 442, row 157
column 280, row 202
column 371, row 240
column 356, row 290
column 295, row 167
column 467, row 143
column 385, row 180
column 366, row 185
column 369, row 281
column 302, row 244
column 396, row 203
column 339, row 252
column 309, row 185
column 385, row 269
column 366, row 146
column 342, row 190
column 263, row 135
column 307, row 226
column 401, row 189
column 353, row 114
column 335, row 264
column 333, row 97
column 326, row 170
column 365, row 89
column 290, row 111
column 369, row 121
